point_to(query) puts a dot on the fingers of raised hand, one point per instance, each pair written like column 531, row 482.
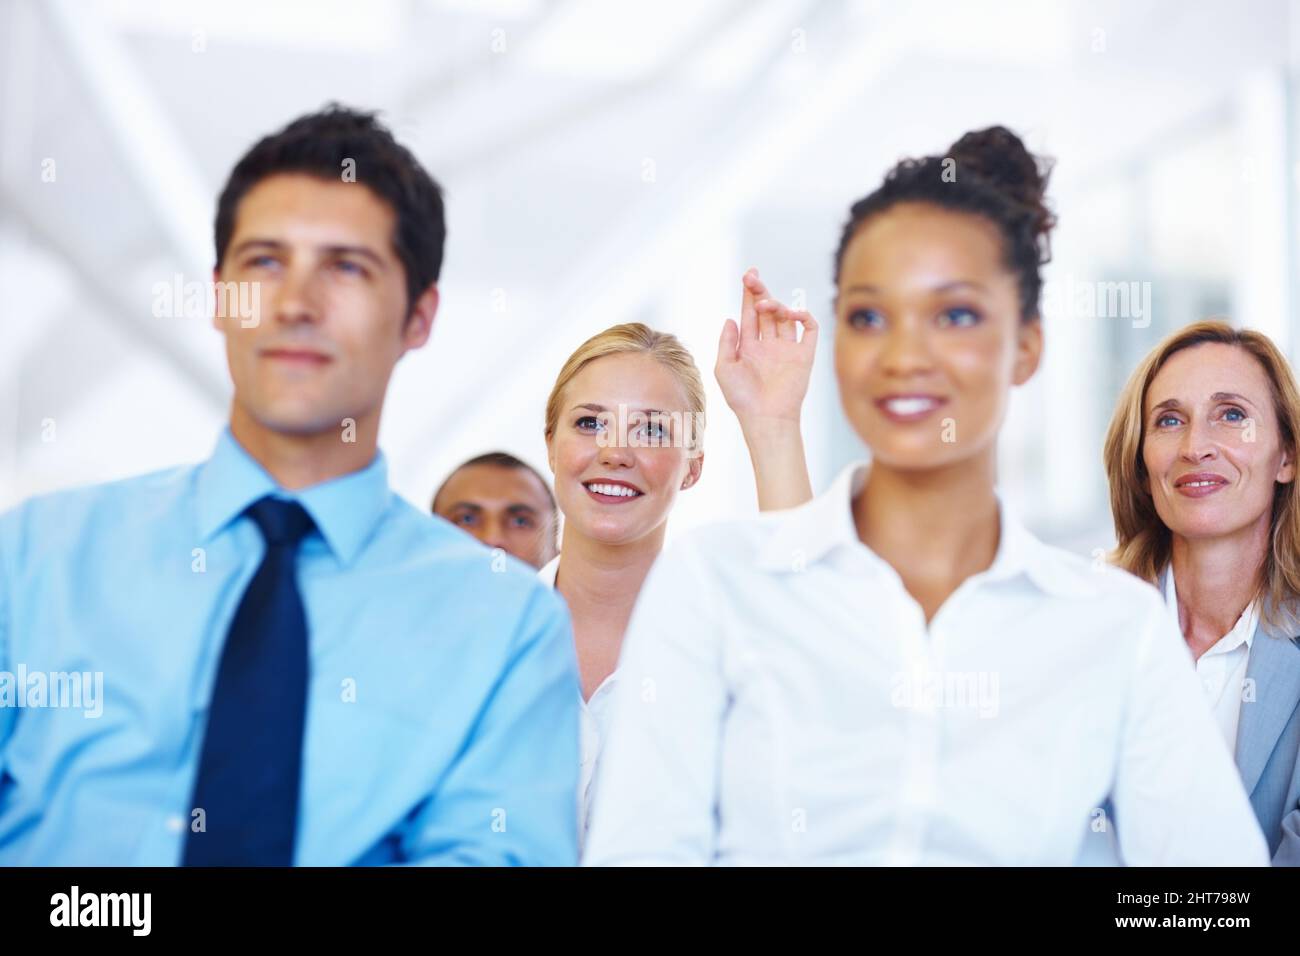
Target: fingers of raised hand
column 778, row 321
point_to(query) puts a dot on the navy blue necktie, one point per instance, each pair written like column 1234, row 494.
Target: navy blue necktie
column 250, row 768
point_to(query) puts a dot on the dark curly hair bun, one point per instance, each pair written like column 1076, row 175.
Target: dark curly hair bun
column 987, row 173
column 999, row 157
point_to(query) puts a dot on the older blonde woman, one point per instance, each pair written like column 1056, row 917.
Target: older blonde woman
column 1201, row 458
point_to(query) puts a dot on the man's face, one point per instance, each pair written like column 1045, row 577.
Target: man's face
column 332, row 316
column 504, row 508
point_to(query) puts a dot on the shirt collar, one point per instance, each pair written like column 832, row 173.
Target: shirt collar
column 345, row 509
column 817, row 529
column 810, row 532
column 549, row 571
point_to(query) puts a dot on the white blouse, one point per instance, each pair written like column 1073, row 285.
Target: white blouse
column 1222, row 668
column 783, row 700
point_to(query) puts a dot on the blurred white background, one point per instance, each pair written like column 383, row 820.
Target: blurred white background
column 614, row 161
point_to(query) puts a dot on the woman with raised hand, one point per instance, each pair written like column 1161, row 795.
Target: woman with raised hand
column 624, row 435
column 1201, row 457
column 897, row 671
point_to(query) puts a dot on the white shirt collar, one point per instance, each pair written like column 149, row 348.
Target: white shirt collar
column 548, row 572
column 816, row 530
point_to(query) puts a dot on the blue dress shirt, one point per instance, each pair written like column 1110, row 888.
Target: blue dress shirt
column 442, row 715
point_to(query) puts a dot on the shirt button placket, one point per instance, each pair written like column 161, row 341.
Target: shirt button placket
column 921, row 748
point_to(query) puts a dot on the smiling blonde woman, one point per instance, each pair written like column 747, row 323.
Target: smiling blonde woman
column 625, row 435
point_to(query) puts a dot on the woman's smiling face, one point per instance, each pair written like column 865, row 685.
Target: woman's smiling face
column 613, row 490
column 929, row 337
column 1212, row 444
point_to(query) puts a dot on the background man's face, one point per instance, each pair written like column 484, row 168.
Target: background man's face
column 504, row 508
column 332, row 295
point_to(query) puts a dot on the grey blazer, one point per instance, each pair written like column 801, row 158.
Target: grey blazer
column 1268, row 739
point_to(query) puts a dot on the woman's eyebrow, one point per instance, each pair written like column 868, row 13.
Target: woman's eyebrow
column 1230, row 397
column 601, row 408
column 1216, row 397
column 959, row 284
column 954, row 286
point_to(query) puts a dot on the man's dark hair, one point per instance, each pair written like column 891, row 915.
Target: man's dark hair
column 500, row 459
column 318, row 144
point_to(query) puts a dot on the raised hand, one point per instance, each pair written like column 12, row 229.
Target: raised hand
column 763, row 365
column 763, row 368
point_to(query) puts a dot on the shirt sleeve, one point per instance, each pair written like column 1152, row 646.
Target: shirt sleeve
column 510, row 799
column 656, row 783
column 1178, row 798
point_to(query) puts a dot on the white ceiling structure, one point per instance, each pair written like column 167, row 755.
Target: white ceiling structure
column 603, row 162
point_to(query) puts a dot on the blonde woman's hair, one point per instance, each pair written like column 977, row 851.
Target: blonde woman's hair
column 1145, row 543
column 636, row 339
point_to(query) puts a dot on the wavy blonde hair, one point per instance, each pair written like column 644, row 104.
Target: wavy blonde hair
column 1144, row 542
column 635, row 338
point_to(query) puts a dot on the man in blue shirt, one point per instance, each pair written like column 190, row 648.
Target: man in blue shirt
column 280, row 661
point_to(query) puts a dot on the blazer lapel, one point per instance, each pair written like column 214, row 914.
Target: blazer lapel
column 1275, row 669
